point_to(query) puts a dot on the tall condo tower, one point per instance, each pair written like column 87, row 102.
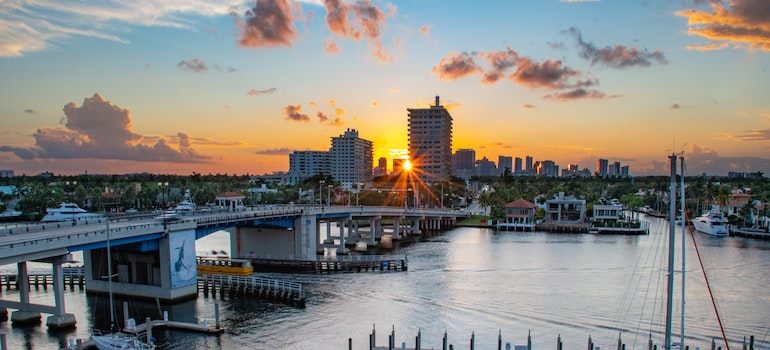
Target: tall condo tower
column 430, row 142
column 351, row 159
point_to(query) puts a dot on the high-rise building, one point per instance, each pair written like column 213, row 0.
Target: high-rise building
column 305, row 164
column 528, row 166
column 517, row 166
column 464, row 159
column 398, row 165
column 430, row 142
column 351, row 159
column 382, row 167
column 601, row 168
column 504, row 162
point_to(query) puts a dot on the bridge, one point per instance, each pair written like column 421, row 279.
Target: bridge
column 155, row 257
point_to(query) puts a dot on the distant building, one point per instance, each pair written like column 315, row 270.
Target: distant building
column 528, row 166
column 504, row 162
column 547, row 168
column 517, row 166
column 430, row 142
column 382, row 167
column 485, row 167
column 6, row 173
column 519, row 214
column 351, row 159
column 464, row 163
column 601, row 168
column 280, row 177
column 305, row 164
column 398, row 165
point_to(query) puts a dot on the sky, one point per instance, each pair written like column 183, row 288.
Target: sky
column 234, row 87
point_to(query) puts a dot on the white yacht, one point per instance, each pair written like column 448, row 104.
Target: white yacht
column 68, row 212
column 713, row 223
column 186, row 205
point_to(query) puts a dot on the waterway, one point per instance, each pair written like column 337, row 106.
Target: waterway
column 476, row 280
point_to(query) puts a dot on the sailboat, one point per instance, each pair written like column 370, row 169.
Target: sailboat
column 116, row 340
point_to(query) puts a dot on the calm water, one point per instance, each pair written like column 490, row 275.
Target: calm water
column 477, row 280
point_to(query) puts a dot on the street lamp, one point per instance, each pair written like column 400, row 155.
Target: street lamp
column 69, row 187
column 329, row 195
column 360, row 186
column 320, row 192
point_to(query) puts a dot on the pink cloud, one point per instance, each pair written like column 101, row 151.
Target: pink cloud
column 268, row 24
column 742, row 24
column 293, row 113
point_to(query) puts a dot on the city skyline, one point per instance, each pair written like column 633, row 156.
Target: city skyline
column 235, row 87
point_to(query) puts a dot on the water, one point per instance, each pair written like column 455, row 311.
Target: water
column 476, row 280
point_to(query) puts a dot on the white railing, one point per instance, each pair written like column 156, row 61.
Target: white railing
column 257, row 282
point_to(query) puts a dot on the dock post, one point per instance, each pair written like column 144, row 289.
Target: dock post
column 473, row 340
column 590, row 343
column 3, row 344
column 125, row 313
column 499, row 339
column 649, row 343
column 751, row 342
column 216, row 315
column 148, row 321
column 418, row 343
column 529, row 340
column 350, row 343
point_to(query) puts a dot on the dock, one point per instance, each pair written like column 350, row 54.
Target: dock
column 73, row 276
column 290, row 293
column 340, row 263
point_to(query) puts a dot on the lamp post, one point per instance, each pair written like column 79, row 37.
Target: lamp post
column 320, row 192
column 360, row 186
column 329, row 195
column 69, row 187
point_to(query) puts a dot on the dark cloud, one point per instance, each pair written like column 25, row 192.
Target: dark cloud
column 618, row 56
column 675, row 106
column 100, row 130
column 255, row 92
column 275, row 151
column 500, row 61
column 577, row 94
column 29, row 111
column 702, row 160
column 293, row 114
column 195, row 65
column 269, row 23
column 547, row 74
column 742, row 24
column 456, row 66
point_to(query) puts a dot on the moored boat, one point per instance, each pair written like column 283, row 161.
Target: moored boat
column 224, row 266
column 713, row 223
column 68, row 211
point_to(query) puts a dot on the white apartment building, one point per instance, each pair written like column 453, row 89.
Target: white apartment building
column 430, row 142
column 305, row 164
column 351, row 159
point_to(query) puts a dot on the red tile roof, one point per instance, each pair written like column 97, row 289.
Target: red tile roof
column 521, row 203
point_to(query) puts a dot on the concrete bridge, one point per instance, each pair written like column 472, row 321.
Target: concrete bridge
column 155, row 258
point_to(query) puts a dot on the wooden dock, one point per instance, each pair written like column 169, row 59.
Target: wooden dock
column 563, row 227
column 290, row 293
column 73, row 276
column 340, row 263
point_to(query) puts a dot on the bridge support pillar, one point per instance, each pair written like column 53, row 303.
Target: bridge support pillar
column 25, row 315
column 61, row 319
column 328, row 239
column 373, row 229
column 342, row 250
column 396, row 229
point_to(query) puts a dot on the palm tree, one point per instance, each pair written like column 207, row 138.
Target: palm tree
column 724, row 194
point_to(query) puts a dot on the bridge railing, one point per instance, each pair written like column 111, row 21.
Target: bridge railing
column 257, row 282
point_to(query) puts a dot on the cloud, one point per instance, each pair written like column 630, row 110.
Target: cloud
column 755, row 135
column 528, row 106
column 255, row 92
column 29, row 111
column 268, row 24
column 330, row 46
column 500, row 61
column 100, row 130
column 675, row 106
column 394, row 90
column 337, row 121
column 195, row 65
column 425, row 30
column 703, row 160
column 359, row 21
column 618, row 56
column 456, row 66
column 741, row 24
column 293, row 114
column 577, row 94
column 31, row 26
column 546, row 74
column 275, row 151
column 375, row 104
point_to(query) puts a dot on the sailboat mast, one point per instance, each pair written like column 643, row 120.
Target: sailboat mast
column 684, row 243
column 109, row 278
column 671, row 241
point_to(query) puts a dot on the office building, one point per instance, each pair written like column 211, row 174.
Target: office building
column 528, row 166
column 601, row 168
column 305, row 164
column 430, row 142
column 517, row 166
column 485, row 167
column 382, row 167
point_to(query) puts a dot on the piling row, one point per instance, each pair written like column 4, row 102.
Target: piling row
column 329, row 266
column 267, row 289
column 42, row 281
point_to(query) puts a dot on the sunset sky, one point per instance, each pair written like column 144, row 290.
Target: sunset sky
column 233, row 87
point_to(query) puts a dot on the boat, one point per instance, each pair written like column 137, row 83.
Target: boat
column 224, row 266
column 116, row 340
column 713, row 223
column 186, row 205
column 10, row 215
column 68, row 211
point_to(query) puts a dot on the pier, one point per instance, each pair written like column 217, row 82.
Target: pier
column 72, row 277
column 290, row 293
column 340, row 263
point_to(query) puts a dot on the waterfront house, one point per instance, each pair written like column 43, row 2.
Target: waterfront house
column 519, row 214
column 565, row 209
column 606, row 214
column 231, row 201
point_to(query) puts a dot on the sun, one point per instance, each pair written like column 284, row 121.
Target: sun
column 407, row 165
